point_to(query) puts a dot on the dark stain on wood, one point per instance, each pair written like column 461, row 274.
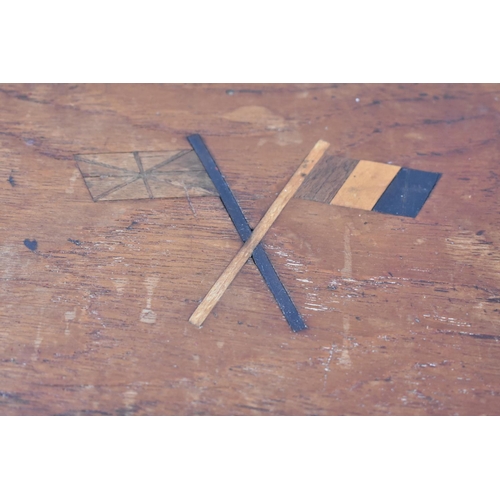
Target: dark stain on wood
column 31, row 244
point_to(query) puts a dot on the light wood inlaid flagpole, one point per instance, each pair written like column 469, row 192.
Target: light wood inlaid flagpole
column 245, row 252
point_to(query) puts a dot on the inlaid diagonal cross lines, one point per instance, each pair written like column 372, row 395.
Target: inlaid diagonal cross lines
column 136, row 175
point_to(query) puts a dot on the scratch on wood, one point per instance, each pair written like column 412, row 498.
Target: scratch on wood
column 189, row 200
column 327, row 364
column 129, row 400
column 120, row 284
column 38, row 339
column 71, row 188
column 147, row 314
column 347, row 269
column 312, row 303
column 69, row 316
column 345, row 358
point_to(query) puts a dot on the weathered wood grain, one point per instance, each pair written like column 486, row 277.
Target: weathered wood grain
column 403, row 314
column 328, row 176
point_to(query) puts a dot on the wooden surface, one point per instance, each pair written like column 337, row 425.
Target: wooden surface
column 403, row 314
column 245, row 252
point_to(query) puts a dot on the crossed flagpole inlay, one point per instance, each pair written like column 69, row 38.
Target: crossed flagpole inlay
column 358, row 184
column 177, row 174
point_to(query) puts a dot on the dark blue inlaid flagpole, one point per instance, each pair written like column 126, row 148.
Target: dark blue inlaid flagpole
column 241, row 224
